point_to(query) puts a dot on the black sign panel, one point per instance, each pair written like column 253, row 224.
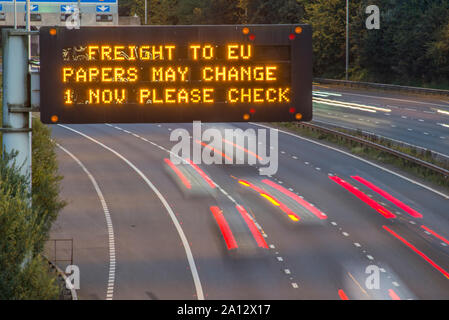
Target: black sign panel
column 176, row 74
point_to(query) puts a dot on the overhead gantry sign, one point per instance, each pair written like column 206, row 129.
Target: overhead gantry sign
column 176, row 74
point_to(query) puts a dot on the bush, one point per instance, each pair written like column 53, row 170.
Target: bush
column 24, row 228
column 45, row 180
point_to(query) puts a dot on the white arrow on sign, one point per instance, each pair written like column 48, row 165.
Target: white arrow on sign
column 67, row 8
column 33, row 7
column 103, row 8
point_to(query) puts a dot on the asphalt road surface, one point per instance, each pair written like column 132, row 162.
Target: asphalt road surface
column 326, row 225
column 417, row 120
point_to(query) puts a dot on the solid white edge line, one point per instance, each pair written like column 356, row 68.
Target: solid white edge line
column 394, row 99
column 111, row 241
column 185, row 243
column 358, row 158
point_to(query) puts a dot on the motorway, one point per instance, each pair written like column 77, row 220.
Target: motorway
column 417, row 120
column 145, row 228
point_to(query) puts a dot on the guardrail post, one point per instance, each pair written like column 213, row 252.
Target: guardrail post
column 16, row 107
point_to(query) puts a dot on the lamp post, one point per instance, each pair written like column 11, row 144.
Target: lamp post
column 347, row 38
column 146, row 12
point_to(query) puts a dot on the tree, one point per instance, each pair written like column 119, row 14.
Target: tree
column 275, row 11
column 328, row 20
column 409, row 48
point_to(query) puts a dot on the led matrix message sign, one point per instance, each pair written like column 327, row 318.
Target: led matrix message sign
column 176, row 74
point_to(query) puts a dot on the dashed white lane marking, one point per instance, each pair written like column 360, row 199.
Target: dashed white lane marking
column 358, row 158
column 395, row 284
column 110, row 228
column 272, row 246
column 410, row 129
column 295, row 285
column 287, row 271
column 185, row 243
column 358, row 245
column 279, row 259
column 426, row 133
column 295, row 157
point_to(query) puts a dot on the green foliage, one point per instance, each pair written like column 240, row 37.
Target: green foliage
column 209, row 12
column 328, row 18
column 275, row 11
column 169, row 12
column 22, row 275
column 24, row 228
column 411, row 47
column 45, row 180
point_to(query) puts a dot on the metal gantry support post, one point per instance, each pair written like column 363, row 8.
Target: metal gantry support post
column 16, row 106
column 15, row 14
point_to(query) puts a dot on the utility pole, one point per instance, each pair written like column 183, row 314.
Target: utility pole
column 347, row 38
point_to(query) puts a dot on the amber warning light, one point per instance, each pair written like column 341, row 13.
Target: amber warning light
column 176, row 74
